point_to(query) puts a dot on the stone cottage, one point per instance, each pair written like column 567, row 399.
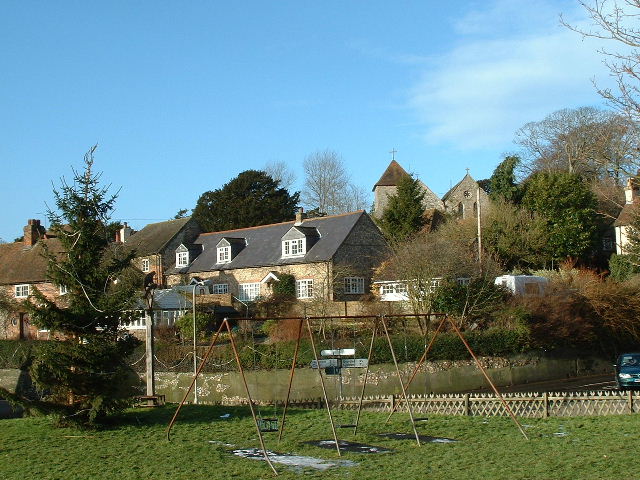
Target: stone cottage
column 331, row 258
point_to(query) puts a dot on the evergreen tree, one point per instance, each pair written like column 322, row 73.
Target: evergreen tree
column 83, row 373
column 568, row 207
column 404, row 215
column 502, row 184
column 252, row 198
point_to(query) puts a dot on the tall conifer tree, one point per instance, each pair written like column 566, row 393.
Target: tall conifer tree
column 83, row 373
column 404, row 215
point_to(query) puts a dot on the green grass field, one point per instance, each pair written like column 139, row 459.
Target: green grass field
column 487, row 448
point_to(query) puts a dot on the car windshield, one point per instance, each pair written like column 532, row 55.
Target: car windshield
column 629, row 360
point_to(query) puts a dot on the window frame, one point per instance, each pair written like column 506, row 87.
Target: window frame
column 220, row 286
column 304, row 288
column 297, row 244
column 146, row 265
column 248, row 292
column 224, row 254
column 353, row 285
column 182, row 259
column 19, row 290
column 63, row 289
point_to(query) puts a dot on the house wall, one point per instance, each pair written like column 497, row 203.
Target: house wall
column 10, row 321
column 363, row 250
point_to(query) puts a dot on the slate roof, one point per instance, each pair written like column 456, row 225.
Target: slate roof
column 391, row 176
column 264, row 244
column 23, row 264
column 153, row 237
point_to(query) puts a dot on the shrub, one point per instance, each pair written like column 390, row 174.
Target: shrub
column 621, row 268
column 17, row 354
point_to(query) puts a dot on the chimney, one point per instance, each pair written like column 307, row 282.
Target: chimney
column 631, row 190
column 300, row 216
column 32, row 232
column 123, row 234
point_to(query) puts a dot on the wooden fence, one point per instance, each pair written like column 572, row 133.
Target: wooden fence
column 607, row 402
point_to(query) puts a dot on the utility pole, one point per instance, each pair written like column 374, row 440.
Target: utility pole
column 149, row 287
column 479, row 228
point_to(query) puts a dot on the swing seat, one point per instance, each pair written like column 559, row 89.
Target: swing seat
column 268, row 424
column 420, row 419
column 347, row 425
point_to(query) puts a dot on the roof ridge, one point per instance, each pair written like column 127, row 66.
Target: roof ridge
column 282, row 223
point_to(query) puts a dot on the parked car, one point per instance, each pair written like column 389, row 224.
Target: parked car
column 628, row 371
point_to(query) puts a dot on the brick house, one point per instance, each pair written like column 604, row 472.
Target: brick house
column 156, row 243
column 23, row 267
column 331, row 258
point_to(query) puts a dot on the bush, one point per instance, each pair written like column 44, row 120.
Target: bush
column 17, row 353
column 621, row 269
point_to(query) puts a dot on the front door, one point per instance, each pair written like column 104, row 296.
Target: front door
column 24, row 326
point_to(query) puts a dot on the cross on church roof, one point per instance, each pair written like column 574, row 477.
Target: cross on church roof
column 393, row 154
column 467, row 171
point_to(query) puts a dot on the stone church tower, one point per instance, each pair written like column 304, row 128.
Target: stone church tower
column 388, row 185
column 460, row 200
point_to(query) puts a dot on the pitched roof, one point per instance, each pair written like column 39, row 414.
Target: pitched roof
column 391, row 175
column 264, row 244
column 152, row 238
column 23, row 264
column 629, row 213
column 455, row 187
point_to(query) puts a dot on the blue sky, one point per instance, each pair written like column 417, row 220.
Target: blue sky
column 183, row 96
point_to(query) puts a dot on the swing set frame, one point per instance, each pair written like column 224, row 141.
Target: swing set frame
column 380, row 325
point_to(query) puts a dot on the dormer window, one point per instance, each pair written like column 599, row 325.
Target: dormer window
column 294, row 248
column 228, row 248
column 224, row 254
column 182, row 259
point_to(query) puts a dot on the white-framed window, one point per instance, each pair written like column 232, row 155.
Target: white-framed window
column 304, row 288
column 136, row 323
column 182, row 259
column 463, row 281
column 353, row 285
column 169, row 317
column 63, row 289
column 434, row 283
column 146, row 267
column 221, row 288
column 224, row 254
column 22, row 291
column 248, row 291
column 294, row 248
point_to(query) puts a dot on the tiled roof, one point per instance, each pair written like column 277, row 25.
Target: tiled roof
column 264, row 244
column 629, row 213
column 23, row 264
column 391, row 176
column 153, row 237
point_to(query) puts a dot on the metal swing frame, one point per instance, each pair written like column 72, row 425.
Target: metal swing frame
column 379, row 324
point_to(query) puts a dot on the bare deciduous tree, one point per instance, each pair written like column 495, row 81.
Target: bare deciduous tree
column 617, row 21
column 589, row 141
column 327, row 186
column 280, row 171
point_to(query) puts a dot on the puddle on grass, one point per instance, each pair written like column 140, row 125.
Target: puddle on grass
column 423, row 438
column 296, row 461
column 348, row 446
column 218, row 442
